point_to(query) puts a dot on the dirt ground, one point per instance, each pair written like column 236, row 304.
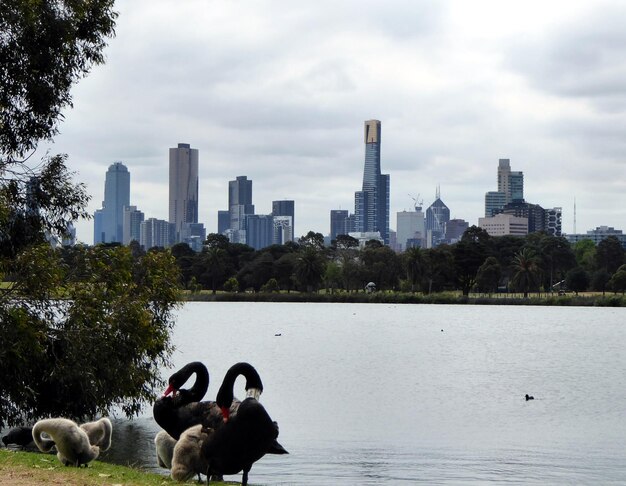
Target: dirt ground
column 34, row 477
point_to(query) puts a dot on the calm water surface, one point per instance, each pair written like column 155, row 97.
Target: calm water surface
column 401, row 394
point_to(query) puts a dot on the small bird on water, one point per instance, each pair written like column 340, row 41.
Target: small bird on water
column 529, row 397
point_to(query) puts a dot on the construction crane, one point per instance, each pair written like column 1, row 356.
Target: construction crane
column 417, row 202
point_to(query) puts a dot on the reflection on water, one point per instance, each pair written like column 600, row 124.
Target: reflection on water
column 377, row 394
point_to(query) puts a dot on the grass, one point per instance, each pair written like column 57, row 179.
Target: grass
column 25, row 468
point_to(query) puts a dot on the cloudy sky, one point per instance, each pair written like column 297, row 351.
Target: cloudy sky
column 278, row 90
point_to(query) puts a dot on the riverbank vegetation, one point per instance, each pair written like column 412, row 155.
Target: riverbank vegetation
column 481, row 268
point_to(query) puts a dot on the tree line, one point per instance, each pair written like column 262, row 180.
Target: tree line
column 477, row 263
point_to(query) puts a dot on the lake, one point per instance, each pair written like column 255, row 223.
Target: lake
column 400, row 394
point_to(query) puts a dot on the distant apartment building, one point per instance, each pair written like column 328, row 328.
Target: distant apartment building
column 132, row 224
column 598, row 234
column 194, row 234
column 504, row 224
column 259, row 230
column 157, row 232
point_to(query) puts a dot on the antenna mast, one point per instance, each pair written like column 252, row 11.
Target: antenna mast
column 574, row 215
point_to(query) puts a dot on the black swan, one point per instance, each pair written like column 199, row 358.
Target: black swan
column 99, row 433
column 244, row 438
column 183, row 409
column 71, row 441
column 21, row 436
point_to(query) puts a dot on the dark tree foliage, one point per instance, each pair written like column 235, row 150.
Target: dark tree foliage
column 469, row 255
column 557, row 258
column 313, row 240
column 344, row 242
column 440, row 271
column 618, row 280
column 88, row 328
column 577, row 279
column 609, row 254
column 101, row 345
column 504, row 249
column 489, row 275
column 381, row 265
column 217, row 240
column 599, row 280
column 257, row 272
column 45, row 47
column 414, row 264
column 34, row 205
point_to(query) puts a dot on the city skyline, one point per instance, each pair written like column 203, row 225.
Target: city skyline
column 458, row 86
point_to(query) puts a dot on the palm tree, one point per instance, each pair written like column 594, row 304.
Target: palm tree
column 309, row 268
column 527, row 271
column 214, row 265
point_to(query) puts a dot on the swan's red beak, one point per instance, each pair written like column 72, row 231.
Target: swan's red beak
column 225, row 413
column 168, row 390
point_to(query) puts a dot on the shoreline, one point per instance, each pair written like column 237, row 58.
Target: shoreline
column 543, row 299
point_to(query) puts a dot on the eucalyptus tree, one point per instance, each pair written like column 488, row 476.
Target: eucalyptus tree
column 577, row 279
column 609, row 254
column 489, row 275
column 414, row 266
column 469, row 254
column 618, row 280
column 68, row 323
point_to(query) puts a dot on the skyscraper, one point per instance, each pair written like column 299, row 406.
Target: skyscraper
column 109, row 221
column 511, row 183
column 338, row 223
column 510, row 189
column 437, row 216
column 371, row 203
column 285, row 208
column 239, row 206
column 183, row 187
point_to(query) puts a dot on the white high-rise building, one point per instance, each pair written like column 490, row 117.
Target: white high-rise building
column 409, row 226
column 504, row 224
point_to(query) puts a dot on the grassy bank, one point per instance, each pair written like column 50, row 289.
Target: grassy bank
column 19, row 468
column 584, row 299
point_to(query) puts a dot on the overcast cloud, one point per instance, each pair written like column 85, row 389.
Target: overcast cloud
column 279, row 90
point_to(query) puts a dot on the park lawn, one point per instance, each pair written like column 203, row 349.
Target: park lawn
column 18, row 468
